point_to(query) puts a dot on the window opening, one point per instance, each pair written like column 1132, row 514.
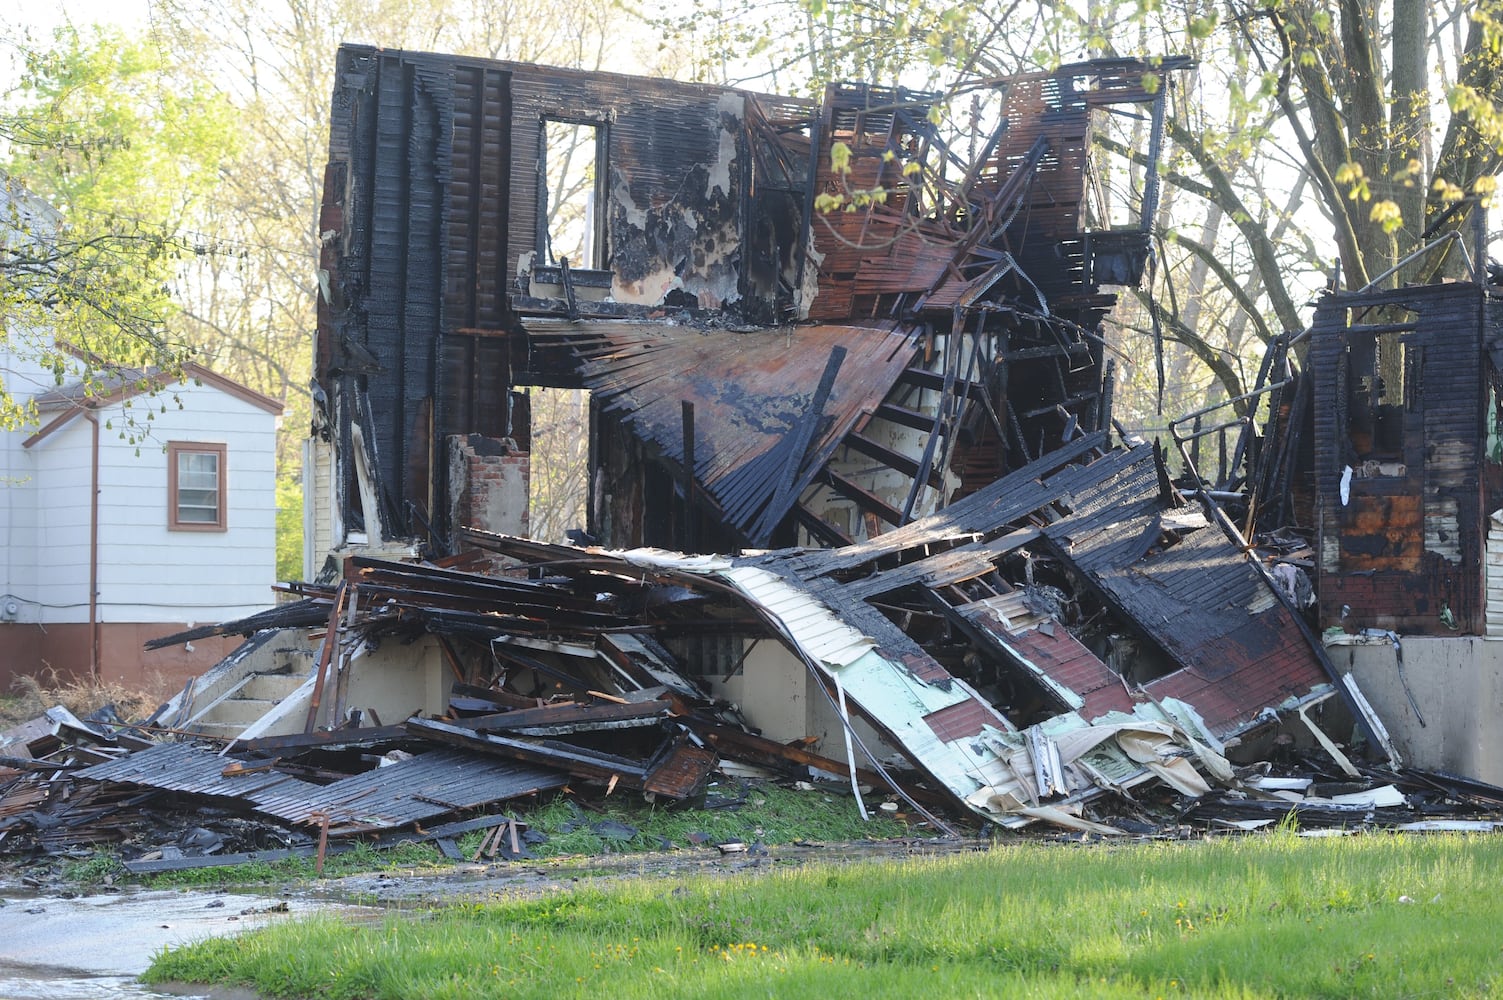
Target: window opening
column 571, row 164
column 1381, row 369
column 559, row 464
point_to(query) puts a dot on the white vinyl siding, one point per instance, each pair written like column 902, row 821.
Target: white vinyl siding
column 149, row 572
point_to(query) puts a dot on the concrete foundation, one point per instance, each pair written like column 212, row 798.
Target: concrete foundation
column 1440, row 702
column 59, row 653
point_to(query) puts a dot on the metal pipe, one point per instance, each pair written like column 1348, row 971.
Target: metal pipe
column 1454, row 234
column 93, row 419
column 1226, row 402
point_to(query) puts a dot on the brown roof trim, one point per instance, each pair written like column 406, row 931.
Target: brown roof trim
column 56, row 423
column 191, row 370
column 235, row 389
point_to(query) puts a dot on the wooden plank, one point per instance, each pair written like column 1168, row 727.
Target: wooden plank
column 892, row 459
column 862, row 498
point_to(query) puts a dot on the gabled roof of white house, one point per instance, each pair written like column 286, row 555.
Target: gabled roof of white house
column 68, row 401
column 23, row 210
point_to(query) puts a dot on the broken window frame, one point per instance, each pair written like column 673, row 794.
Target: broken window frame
column 1384, row 454
column 599, row 249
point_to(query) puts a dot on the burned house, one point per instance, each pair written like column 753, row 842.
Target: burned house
column 1407, row 497
column 829, row 329
column 763, row 370
column 861, row 506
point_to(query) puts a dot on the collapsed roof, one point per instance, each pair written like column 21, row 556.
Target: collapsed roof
column 830, row 327
column 1074, row 627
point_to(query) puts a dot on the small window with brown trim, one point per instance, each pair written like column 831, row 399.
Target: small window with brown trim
column 195, row 486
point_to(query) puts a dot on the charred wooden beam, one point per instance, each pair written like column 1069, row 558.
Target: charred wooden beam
column 557, row 720
column 741, row 745
column 892, row 459
column 819, row 528
column 503, row 651
column 925, row 379
column 691, row 520
column 864, row 499
column 337, row 739
column 905, row 417
column 798, row 444
column 589, row 764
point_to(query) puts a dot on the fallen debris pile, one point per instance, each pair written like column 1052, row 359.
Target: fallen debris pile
column 166, row 806
column 948, row 655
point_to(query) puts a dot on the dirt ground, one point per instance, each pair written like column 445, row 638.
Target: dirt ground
column 480, row 882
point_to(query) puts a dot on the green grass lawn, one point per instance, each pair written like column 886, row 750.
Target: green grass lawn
column 1264, row 916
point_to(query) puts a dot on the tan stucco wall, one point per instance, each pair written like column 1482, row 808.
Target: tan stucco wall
column 778, row 696
column 398, row 681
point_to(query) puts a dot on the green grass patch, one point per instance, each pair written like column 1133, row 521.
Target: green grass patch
column 1270, row 916
column 358, row 860
column 770, row 814
column 99, row 868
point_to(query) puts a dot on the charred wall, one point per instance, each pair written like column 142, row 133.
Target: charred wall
column 448, row 281
column 1402, row 385
column 435, row 244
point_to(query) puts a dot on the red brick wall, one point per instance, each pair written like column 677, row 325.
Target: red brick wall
column 488, row 483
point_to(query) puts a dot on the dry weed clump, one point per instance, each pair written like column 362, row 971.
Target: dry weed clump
column 31, row 696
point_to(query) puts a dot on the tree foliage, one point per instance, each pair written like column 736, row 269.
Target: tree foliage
column 104, row 167
column 1316, row 139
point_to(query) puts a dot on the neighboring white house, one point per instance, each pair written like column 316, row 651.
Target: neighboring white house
column 109, row 543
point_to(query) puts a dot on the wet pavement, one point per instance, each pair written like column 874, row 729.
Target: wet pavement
column 94, row 946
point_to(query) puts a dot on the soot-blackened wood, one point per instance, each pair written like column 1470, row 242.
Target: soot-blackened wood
column 797, row 443
column 892, row 459
column 867, row 501
column 1404, row 549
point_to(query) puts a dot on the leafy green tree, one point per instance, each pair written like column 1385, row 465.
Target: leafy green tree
column 289, row 526
column 1314, row 133
column 105, row 166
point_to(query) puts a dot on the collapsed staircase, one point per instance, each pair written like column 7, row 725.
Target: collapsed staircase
column 243, row 687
